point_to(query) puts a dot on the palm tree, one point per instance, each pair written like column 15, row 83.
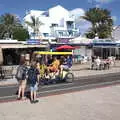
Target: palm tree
column 34, row 24
column 101, row 21
column 9, row 22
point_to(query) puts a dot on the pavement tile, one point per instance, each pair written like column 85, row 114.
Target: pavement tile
column 93, row 104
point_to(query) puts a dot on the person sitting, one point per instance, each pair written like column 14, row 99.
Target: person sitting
column 50, row 77
column 54, row 66
column 107, row 64
column 43, row 68
column 46, row 77
column 92, row 62
column 97, row 62
column 69, row 61
column 66, row 64
column 50, row 60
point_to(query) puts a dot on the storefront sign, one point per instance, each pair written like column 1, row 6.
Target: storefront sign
column 33, row 41
column 64, row 40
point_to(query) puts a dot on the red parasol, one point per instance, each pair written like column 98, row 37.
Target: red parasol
column 65, row 47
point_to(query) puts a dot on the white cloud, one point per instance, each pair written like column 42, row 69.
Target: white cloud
column 77, row 12
column 103, row 1
column 114, row 18
column 100, row 1
column 82, row 24
column 98, row 5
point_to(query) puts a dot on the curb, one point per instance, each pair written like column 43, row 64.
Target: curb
column 12, row 84
column 76, row 78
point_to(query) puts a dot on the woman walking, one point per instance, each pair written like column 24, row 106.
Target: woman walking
column 21, row 77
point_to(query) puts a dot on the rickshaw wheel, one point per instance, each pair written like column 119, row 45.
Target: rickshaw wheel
column 69, row 77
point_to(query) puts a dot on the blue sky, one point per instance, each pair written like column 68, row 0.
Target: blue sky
column 20, row 6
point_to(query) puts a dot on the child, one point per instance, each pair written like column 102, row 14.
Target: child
column 33, row 78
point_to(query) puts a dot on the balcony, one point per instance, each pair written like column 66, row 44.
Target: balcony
column 66, row 33
column 70, row 25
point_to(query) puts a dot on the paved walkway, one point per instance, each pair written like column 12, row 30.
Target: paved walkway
column 94, row 104
column 84, row 70
column 79, row 70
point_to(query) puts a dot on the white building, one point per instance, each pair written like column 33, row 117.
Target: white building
column 116, row 33
column 58, row 22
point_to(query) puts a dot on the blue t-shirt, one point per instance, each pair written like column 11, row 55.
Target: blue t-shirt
column 32, row 75
column 69, row 62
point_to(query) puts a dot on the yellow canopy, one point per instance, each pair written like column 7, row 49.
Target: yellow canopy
column 53, row 53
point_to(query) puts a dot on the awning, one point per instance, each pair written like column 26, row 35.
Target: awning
column 53, row 53
column 8, row 46
column 81, row 40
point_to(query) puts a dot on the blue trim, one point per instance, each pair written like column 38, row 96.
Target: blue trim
column 104, row 44
column 89, row 45
column 33, row 41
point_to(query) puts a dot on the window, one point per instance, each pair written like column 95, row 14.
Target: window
column 54, row 25
column 70, row 32
column 61, row 33
column 70, row 24
column 46, row 34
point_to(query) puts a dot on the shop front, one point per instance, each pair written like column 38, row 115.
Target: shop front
column 105, row 50
column 10, row 54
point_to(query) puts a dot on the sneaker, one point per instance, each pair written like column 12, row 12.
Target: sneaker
column 32, row 101
column 23, row 98
column 18, row 98
column 36, row 101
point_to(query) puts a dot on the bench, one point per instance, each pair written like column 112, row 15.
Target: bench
column 6, row 72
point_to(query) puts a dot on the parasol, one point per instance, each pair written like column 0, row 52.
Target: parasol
column 68, row 47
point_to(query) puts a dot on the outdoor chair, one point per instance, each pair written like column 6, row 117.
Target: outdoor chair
column 101, row 66
column 7, row 72
column 92, row 67
column 95, row 66
column 1, row 73
column 106, row 66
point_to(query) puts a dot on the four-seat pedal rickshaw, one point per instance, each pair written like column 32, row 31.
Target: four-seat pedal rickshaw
column 65, row 75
